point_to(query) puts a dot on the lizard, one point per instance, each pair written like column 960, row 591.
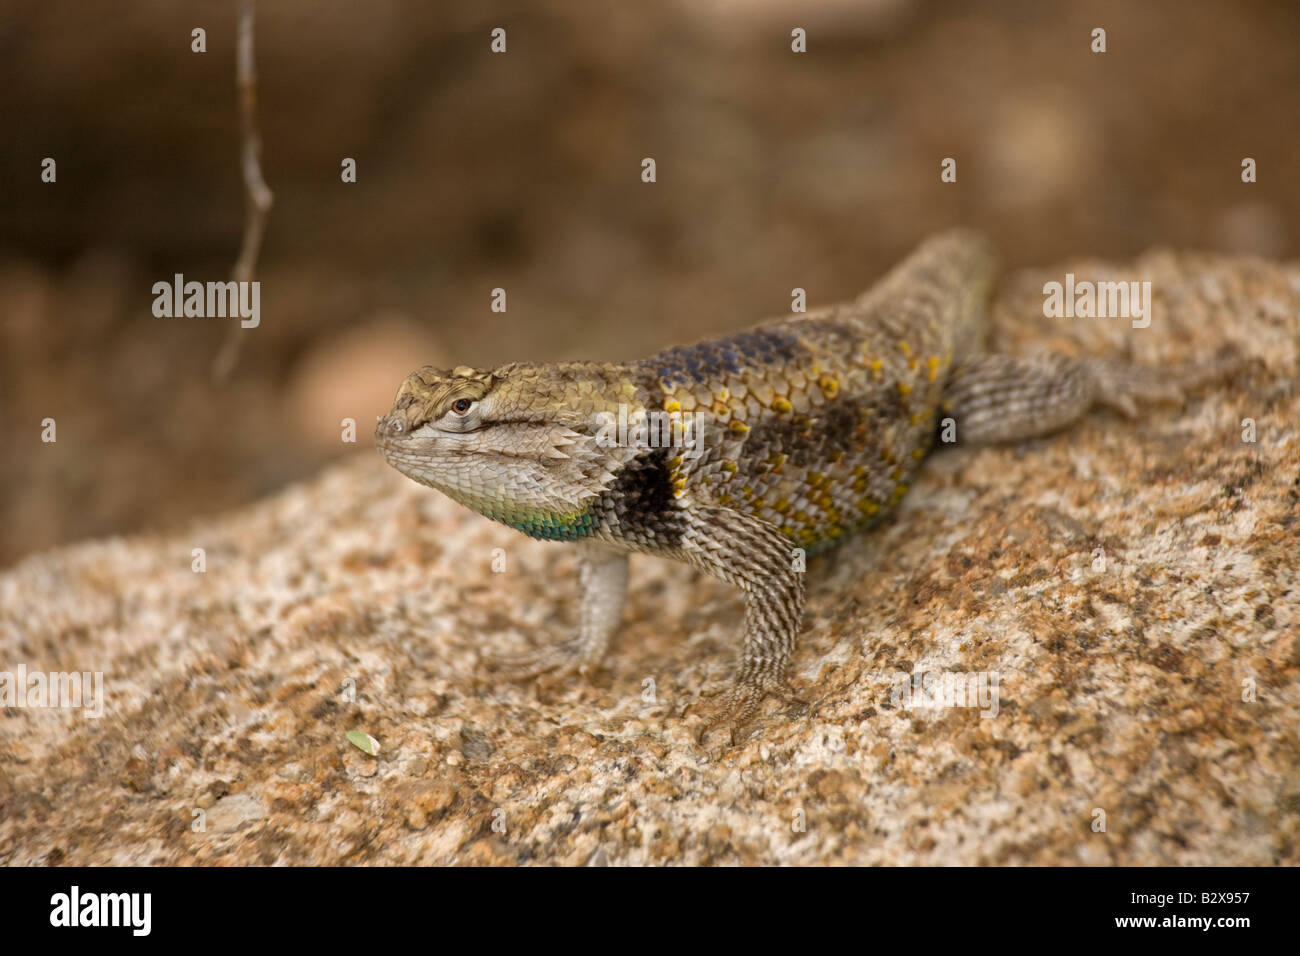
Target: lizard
column 742, row 455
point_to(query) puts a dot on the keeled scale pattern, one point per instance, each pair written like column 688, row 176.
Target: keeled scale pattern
column 815, row 423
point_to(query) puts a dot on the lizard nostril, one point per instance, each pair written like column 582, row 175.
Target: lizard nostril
column 390, row 427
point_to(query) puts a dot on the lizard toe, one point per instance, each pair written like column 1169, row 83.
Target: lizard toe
column 736, row 706
column 562, row 659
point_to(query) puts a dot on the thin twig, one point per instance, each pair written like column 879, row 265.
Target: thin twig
column 258, row 195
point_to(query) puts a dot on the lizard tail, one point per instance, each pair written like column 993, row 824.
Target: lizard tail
column 947, row 281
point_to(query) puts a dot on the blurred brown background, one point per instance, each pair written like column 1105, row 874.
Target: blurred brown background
column 522, row 171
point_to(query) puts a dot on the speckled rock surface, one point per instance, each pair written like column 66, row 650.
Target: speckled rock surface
column 1129, row 583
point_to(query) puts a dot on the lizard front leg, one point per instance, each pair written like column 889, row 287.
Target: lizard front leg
column 751, row 554
column 602, row 586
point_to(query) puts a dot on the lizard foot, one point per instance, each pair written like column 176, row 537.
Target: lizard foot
column 1124, row 387
column 736, row 706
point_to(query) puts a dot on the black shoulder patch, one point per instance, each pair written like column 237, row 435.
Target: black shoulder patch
column 640, row 506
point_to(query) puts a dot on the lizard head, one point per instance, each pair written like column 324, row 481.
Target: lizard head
column 516, row 443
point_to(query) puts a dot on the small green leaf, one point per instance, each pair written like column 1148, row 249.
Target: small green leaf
column 364, row 742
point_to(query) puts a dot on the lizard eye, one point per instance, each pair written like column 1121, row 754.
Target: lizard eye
column 461, row 405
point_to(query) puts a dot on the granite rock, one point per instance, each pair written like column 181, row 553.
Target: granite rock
column 1132, row 586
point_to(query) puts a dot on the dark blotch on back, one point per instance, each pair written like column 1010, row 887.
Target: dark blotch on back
column 834, row 428
column 711, row 361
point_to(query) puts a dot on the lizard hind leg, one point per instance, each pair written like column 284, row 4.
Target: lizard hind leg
column 996, row 398
column 602, row 585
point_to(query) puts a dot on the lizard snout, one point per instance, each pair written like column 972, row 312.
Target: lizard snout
column 391, row 427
